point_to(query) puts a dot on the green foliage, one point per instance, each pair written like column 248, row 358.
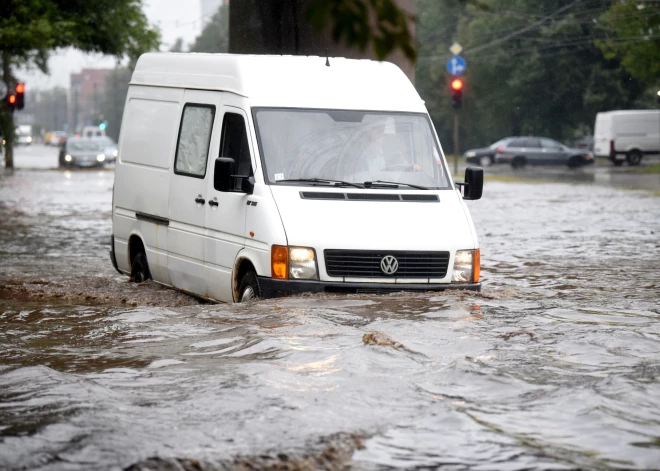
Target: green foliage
column 360, row 23
column 533, row 68
column 31, row 28
column 215, row 35
column 634, row 37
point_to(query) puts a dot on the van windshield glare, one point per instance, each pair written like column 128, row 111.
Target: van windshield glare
column 350, row 146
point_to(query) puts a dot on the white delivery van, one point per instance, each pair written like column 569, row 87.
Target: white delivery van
column 261, row 176
column 627, row 135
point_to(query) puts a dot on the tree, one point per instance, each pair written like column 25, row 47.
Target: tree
column 215, row 35
column 634, row 38
column 177, row 46
column 534, row 67
column 380, row 24
column 29, row 29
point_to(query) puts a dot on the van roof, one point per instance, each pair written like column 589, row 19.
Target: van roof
column 626, row 112
column 285, row 81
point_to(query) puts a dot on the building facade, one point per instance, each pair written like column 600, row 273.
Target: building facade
column 86, row 95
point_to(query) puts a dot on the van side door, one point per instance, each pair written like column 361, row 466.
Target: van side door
column 226, row 211
column 188, row 186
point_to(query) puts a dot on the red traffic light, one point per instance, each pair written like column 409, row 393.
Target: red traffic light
column 12, row 99
column 20, row 88
column 457, row 84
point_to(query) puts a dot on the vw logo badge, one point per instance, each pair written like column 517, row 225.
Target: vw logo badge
column 389, row 265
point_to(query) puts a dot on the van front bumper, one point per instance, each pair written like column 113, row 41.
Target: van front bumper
column 270, row 288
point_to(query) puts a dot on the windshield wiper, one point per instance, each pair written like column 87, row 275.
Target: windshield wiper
column 395, row 184
column 320, row 180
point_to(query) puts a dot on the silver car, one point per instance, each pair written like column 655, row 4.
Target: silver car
column 523, row 151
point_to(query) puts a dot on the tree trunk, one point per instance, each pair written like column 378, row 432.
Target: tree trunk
column 8, row 131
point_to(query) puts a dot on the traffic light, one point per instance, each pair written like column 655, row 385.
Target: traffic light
column 11, row 101
column 457, row 93
column 20, row 96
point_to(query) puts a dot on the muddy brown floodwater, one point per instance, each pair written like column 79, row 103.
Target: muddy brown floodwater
column 555, row 365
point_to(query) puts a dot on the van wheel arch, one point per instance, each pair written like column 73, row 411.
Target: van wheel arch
column 137, row 259
column 242, row 267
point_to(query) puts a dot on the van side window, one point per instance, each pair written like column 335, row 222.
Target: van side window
column 192, row 149
column 234, row 144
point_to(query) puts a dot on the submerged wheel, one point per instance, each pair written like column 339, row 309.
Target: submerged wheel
column 634, row 157
column 519, row 162
column 248, row 288
column 140, row 268
column 575, row 162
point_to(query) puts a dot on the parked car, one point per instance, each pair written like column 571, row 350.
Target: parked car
column 523, row 151
column 486, row 156
column 586, row 142
column 627, row 135
column 82, row 153
column 352, row 192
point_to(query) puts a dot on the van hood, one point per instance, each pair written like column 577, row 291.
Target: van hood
column 378, row 225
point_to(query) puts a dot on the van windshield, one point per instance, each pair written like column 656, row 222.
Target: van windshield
column 349, row 146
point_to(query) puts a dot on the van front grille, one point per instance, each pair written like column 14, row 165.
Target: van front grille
column 367, row 263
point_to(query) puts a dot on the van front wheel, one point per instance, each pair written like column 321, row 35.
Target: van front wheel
column 248, row 289
column 140, row 269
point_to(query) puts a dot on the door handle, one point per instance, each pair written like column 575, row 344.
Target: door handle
column 213, row 203
column 200, row 200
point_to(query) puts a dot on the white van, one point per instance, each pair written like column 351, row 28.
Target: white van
column 92, row 132
column 260, row 176
column 627, row 135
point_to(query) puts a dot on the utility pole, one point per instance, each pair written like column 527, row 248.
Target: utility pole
column 9, row 132
column 456, row 144
column 457, row 103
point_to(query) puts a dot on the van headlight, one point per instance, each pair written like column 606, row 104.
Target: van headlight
column 115, row 153
column 302, row 264
column 29, row 139
column 100, row 157
column 297, row 263
column 467, row 266
column 68, row 158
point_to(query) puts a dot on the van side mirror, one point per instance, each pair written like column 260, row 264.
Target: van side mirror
column 222, row 178
column 474, row 183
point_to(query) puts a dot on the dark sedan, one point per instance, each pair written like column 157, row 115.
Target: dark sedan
column 486, row 156
column 524, row 151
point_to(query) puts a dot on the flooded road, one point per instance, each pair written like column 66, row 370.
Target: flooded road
column 555, row 365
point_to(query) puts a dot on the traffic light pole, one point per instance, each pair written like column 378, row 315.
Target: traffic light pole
column 8, row 134
column 456, row 146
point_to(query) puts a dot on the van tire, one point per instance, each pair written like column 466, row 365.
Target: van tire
column 140, row 268
column 634, row 157
column 519, row 162
column 248, row 288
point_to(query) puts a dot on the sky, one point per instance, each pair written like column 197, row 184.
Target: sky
column 175, row 18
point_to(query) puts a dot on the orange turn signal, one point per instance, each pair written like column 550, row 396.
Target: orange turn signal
column 279, row 262
column 476, row 266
